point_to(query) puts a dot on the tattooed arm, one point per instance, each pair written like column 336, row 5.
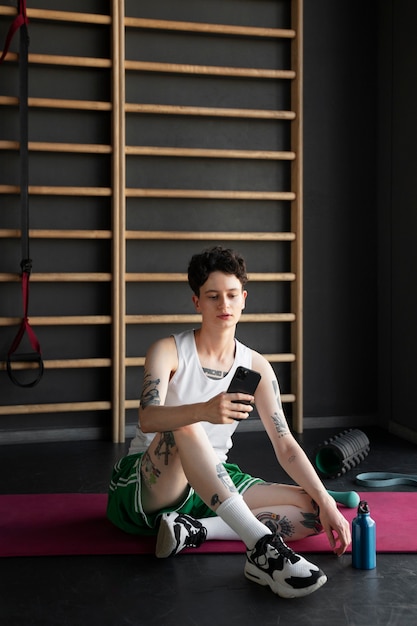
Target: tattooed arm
column 292, row 457
column 160, row 365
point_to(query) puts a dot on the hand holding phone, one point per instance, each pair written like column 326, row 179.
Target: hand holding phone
column 244, row 380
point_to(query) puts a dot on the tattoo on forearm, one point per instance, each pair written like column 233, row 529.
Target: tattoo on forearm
column 277, row 524
column 280, row 424
column 165, row 445
column 277, row 393
column 150, row 391
column 292, row 458
column 149, row 470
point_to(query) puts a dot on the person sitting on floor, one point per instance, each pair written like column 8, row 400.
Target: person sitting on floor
column 176, row 482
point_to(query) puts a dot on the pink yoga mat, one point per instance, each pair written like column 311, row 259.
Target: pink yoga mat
column 75, row 524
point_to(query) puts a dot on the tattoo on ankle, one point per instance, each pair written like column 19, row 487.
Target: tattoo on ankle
column 225, row 478
column 277, row 524
column 149, row 470
column 165, row 445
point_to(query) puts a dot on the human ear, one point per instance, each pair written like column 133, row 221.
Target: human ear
column 245, row 295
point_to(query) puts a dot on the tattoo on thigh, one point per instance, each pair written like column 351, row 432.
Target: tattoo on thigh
column 312, row 520
column 277, row 524
column 225, row 478
column 149, row 470
column 165, row 445
column 150, row 391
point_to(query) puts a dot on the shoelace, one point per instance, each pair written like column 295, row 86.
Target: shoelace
column 278, row 543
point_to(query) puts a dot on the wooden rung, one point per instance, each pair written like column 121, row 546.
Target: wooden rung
column 139, row 361
column 60, row 277
column 135, row 361
column 172, row 277
column 212, row 194
column 204, row 70
column 58, row 103
column 60, row 16
column 204, row 153
column 63, row 320
column 175, row 235
column 192, row 319
column 63, row 61
column 56, row 234
column 61, row 364
column 154, row 277
column 168, row 109
column 56, row 364
column 286, row 398
column 280, row 358
column 132, row 404
column 48, row 146
column 56, row 407
column 58, row 191
column 200, row 27
column 271, row 277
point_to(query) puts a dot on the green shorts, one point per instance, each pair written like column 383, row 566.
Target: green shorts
column 124, row 505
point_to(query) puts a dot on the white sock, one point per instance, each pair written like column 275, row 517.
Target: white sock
column 217, row 529
column 236, row 513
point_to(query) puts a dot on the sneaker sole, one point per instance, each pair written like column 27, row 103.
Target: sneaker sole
column 165, row 542
column 262, row 578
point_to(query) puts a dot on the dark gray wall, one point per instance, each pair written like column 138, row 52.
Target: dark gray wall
column 340, row 210
column 360, row 97
column 397, row 201
column 360, row 211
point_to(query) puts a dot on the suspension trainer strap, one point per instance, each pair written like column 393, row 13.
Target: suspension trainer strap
column 21, row 22
column 20, row 19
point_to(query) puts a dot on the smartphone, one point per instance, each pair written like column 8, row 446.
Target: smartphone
column 244, row 381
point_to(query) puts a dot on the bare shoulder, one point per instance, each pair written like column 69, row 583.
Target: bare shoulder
column 260, row 364
column 164, row 350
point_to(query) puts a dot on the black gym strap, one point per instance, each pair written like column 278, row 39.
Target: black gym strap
column 21, row 22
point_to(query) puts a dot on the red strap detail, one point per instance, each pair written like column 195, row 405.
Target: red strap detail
column 20, row 19
column 25, row 326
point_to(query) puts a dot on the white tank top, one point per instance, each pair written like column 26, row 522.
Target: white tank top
column 190, row 384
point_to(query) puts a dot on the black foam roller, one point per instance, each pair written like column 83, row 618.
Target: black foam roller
column 341, row 453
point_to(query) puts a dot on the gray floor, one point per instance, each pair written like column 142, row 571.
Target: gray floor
column 192, row 590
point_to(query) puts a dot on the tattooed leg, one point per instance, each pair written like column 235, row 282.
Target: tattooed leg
column 226, row 481
column 277, row 524
column 286, row 509
column 165, row 446
column 312, row 520
column 149, row 471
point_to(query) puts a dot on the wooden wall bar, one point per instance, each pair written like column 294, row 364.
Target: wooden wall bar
column 128, row 196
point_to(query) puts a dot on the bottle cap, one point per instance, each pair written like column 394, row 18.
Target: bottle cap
column 363, row 508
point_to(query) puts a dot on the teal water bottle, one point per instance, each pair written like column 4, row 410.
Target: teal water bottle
column 363, row 539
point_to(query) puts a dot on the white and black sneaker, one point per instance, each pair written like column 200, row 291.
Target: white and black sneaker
column 176, row 532
column 271, row 562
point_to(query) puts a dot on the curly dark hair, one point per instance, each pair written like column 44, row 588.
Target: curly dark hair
column 215, row 259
